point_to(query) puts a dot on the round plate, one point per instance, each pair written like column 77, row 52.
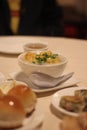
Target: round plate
column 33, row 121
column 12, row 44
column 15, row 44
column 57, row 96
column 22, row 77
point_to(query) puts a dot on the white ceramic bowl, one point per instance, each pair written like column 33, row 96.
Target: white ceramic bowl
column 54, row 70
column 35, row 46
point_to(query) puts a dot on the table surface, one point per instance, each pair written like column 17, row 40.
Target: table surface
column 76, row 53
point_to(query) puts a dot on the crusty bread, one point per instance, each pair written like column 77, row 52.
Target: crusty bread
column 1, row 93
column 74, row 123
column 70, row 123
column 12, row 112
column 82, row 118
column 25, row 95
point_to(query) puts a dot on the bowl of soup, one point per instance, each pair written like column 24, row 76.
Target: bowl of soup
column 47, row 62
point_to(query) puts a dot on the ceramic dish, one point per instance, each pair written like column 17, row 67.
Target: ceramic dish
column 57, row 96
column 22, row 77
column 51, row 63
column 35, row 47
column 12, row 45
column 33, row 121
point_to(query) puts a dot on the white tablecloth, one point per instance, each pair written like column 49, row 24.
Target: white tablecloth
column 74, row 50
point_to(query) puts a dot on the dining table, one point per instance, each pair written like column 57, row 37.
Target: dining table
column 76, row 52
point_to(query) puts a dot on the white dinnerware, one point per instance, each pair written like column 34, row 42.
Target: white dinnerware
column 35, row 47
column 58, row 95
column 54, row 70
column 20, row 76
column 44, row 81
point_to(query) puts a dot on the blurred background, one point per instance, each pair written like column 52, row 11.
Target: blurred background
column 74, row 18
column 66, row 18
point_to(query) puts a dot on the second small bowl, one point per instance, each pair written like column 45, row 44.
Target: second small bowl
column 35, row 47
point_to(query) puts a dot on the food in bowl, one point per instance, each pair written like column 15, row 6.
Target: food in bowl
column 82, row 93
column 46, row 57
column 75, row 103
column 72, row 103
column 42, row 61
column 35, row 46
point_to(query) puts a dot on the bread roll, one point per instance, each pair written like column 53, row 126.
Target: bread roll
column 9, row 84
column 82, row 118
column 25, row 95
column 12, row 112
column 70, row 123
column 1, row 93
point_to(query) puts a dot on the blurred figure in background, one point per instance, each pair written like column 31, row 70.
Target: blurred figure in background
column 30, row 17
column 81, row 8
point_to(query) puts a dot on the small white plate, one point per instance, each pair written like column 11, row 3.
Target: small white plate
column 14, row 44
column 57, row 96
column 22, row 77
column 33, row 121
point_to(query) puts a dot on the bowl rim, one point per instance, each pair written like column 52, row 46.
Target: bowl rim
column 43, row 65
column 27, row 48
